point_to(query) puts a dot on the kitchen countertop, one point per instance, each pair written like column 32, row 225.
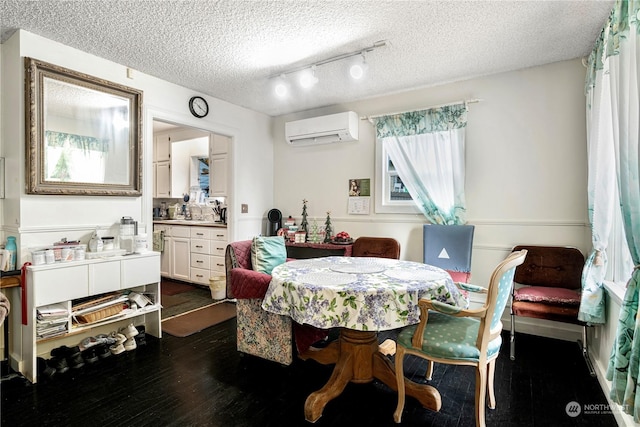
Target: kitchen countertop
column 190, row 222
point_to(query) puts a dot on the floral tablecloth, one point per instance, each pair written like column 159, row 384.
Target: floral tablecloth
column 365, row 294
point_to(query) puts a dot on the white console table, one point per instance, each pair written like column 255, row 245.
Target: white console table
column 64, row 282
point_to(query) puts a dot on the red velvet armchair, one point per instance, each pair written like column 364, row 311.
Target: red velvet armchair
column 259, row 332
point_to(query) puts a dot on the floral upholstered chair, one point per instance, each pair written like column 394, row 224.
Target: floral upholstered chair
column 260, row 333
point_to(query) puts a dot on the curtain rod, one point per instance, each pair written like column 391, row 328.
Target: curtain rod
column 465, row 102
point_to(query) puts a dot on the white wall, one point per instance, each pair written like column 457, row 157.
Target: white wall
column 42, row 219
column 525, row 164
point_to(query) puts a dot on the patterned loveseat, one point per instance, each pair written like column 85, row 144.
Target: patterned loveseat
column 260, row 333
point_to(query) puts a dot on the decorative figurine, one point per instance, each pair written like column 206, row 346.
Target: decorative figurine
column 328, row 230
column 304, row 225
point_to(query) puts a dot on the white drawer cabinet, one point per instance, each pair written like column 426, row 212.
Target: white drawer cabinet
column 200, row 261
column 104, row 277
column 193, row 253
column 200, row 246
column 61, row 283
column 205, row 253
column 218, row 247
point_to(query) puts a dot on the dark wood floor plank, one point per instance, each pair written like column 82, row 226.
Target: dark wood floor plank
column 201, row 380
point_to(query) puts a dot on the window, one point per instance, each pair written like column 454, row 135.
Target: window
column 391, row 194
column 620, row 264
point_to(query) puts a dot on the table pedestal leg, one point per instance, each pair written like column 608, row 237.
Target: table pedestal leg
column 359, row 361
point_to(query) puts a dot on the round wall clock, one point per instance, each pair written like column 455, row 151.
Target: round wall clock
column 198, row 106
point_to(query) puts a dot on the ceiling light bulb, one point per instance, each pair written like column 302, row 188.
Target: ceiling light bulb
column 281, row 90
column 308, row 78
column 357, row 69
column 281, row 87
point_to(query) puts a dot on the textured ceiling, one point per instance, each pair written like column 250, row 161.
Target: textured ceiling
column 228, row 49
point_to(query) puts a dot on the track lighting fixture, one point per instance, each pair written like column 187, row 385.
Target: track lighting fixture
column 307, row 73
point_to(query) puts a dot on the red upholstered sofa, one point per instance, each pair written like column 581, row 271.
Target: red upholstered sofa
column 260, row 333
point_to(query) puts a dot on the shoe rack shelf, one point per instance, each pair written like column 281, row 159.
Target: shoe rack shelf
column 62, row 283
column 78, row 330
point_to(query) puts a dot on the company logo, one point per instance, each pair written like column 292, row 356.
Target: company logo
column 573, row 409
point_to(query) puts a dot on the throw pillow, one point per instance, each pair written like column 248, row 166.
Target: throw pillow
column 267, row 253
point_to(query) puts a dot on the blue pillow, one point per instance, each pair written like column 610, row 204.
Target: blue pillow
column 267, row 253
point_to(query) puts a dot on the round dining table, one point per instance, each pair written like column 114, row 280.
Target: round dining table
column 361, row 296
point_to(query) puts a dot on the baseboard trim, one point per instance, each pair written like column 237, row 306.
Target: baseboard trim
column 543, row 328
column 623, row 419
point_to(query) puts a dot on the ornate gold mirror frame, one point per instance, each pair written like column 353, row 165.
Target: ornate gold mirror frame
column 83, row 134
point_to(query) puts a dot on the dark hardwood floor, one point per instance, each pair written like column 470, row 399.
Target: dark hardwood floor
column 201, row 380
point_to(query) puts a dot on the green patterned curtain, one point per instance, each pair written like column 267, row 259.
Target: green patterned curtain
column 427, row 150
column 613, row 107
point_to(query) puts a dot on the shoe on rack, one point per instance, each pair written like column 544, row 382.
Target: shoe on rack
column 60, row 352
column 90, row 355
column 141, row 337
column 117, row 348
column 103, row 351
column 44, row 370
column 130, row 344
column 88, row 342
column 130, row 331
column 74, row 358
column 105, row 339
column 58, row 360
column 117, row 337
column 59, row 364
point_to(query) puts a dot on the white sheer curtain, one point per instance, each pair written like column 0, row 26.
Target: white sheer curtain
column 427, row 149
column 613, row 95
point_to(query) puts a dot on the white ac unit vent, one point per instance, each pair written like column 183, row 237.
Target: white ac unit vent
column 338, row 127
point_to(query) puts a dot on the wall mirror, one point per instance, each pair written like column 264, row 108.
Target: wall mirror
column 84, row 134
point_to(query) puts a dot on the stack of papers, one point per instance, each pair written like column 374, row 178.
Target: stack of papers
column 52, row 320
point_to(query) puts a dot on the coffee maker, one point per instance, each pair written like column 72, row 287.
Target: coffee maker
column 275, row 222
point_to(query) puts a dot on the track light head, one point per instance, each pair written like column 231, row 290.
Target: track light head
column 308, row 77
column 281, row 87
column 358, row 68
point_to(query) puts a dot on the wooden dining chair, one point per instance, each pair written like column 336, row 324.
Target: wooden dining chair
column 457, row 336
column 381, row 247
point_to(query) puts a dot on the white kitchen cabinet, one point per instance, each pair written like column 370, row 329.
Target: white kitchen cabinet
column 162, row 149
column 195, row 253
column 62, row 283
column 219, row 240
column 163, row 179
column 180, row 252
column 219, row 144
column 165, row 255
column 218, row 176
column 208, row 247
column 218, row 160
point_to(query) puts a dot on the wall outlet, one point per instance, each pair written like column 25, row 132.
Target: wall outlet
column 244, row 208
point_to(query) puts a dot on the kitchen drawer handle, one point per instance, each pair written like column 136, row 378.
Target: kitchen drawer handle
column 220, row 265
column 199, row 234
column 219, row 235
column 199, row 275
column 198, row 246
column 219, row 249
column 199, row 261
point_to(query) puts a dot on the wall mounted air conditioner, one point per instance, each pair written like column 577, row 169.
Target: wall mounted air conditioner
column 338, row 127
